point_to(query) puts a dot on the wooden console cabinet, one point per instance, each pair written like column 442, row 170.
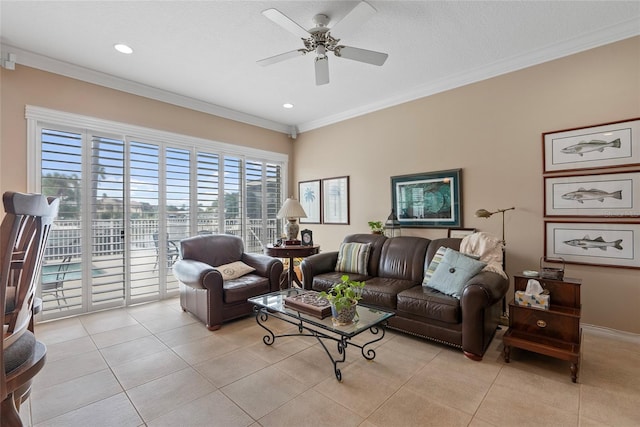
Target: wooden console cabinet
column 555, row 332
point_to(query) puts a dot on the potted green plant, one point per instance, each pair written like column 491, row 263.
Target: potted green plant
column 376, row 227
column 343, row 298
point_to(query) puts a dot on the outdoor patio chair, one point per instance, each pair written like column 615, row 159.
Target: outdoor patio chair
column 56, row 287
column 173, row 253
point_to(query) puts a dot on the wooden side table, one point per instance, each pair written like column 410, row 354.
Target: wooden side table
column 554, row 332
column 292, row 252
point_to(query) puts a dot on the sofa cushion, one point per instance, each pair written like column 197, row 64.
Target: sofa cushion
column 403, row 258
column 323, row 282
column 234, row 270
column 437, row 257
column 453, row 273
column 423, row 301
column 382, row 292
column 353, row 258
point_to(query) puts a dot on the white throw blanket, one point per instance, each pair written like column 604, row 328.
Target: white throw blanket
column 486, row 246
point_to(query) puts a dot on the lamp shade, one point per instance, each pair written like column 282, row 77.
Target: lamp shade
column 291, row 209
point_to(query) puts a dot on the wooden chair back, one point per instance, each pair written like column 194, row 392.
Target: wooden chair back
column 23, row 236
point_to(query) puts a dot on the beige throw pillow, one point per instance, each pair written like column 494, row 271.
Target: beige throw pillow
column 234, row 270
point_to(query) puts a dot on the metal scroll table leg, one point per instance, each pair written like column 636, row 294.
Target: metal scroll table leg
column 261, row 317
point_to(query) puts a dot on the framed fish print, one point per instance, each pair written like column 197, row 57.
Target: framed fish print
column 594, row 243
column 595, row 147
column 606, row 195
column 311, row 200
column 430, row 199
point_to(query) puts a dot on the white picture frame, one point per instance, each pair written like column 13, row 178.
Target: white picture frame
column 594, row 243
column 605, row 195
column 595, row 147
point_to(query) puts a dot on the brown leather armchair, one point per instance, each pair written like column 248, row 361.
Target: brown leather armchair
column 205, row 294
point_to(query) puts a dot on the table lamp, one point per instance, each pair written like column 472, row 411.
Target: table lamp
column 292, row 210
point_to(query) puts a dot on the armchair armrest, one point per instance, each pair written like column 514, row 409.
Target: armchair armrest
column 262, row 263
column 324, row 262
column 265, row 266
column 196, row 274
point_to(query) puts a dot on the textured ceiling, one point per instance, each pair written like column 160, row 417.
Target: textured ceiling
column 202, row 54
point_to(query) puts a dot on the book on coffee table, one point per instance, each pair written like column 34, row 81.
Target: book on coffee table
column 309, row 302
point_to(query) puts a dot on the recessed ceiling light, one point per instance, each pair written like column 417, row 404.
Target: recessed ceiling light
column 287, row 105
column 123, row 48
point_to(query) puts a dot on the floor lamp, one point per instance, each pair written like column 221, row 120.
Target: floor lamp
column 483, row 213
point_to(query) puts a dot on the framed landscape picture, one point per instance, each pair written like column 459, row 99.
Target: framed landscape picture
column 311, row 199
column 598, row 195
column 601, row 146
column 429, row 199
column 594, row 243
column 335, row 200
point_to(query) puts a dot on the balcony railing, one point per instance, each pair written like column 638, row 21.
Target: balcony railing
column 108, row 235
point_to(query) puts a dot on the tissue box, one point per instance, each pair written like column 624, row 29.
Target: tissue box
column 530, row 300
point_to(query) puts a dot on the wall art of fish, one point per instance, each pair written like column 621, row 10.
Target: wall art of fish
column 593, row 145
column 592, row 194
column 598, row 242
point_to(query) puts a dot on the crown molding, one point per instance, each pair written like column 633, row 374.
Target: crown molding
column 572, row 46
column 44, row 63
column 618, row 32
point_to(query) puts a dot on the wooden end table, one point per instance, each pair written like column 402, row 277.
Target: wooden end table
column 291, row 252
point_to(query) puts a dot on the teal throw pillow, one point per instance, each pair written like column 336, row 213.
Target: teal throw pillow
column 453, row 273
column 437, row 257
column 353, row 258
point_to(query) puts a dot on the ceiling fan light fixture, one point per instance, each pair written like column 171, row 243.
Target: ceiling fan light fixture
column 320, row 41
column 321, row 50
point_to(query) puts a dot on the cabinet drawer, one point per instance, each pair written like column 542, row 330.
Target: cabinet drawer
column 545, row 323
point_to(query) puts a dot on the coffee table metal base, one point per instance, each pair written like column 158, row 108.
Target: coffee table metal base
column 306, row 330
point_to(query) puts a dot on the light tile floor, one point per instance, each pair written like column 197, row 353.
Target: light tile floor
column 154, row 365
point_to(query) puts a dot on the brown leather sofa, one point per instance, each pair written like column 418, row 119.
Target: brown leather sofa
column 394, row 283
column 205, row 294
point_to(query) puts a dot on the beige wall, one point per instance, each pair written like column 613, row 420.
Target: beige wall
column 34, row 87
column 492, row 130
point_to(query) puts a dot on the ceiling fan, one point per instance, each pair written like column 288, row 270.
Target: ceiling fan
column 319, row 40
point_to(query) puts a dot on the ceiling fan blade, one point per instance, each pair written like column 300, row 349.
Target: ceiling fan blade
column 281, row 57
column 322, row 71
column 354, row 19
column 362, row 55
column 286, row 22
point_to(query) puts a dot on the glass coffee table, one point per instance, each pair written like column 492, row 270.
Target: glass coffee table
column 368, row 319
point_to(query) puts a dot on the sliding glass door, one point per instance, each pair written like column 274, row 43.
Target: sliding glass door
column 127, row 202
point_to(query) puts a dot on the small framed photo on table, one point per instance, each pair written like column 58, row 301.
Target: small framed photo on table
column 307, row 237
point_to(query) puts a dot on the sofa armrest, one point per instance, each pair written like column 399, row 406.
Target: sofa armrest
column 479, row 315
column 196, row 274
column 324, row 262
column 494, row 287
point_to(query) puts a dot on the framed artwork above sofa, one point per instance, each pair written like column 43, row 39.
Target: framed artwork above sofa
column 428, row 199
